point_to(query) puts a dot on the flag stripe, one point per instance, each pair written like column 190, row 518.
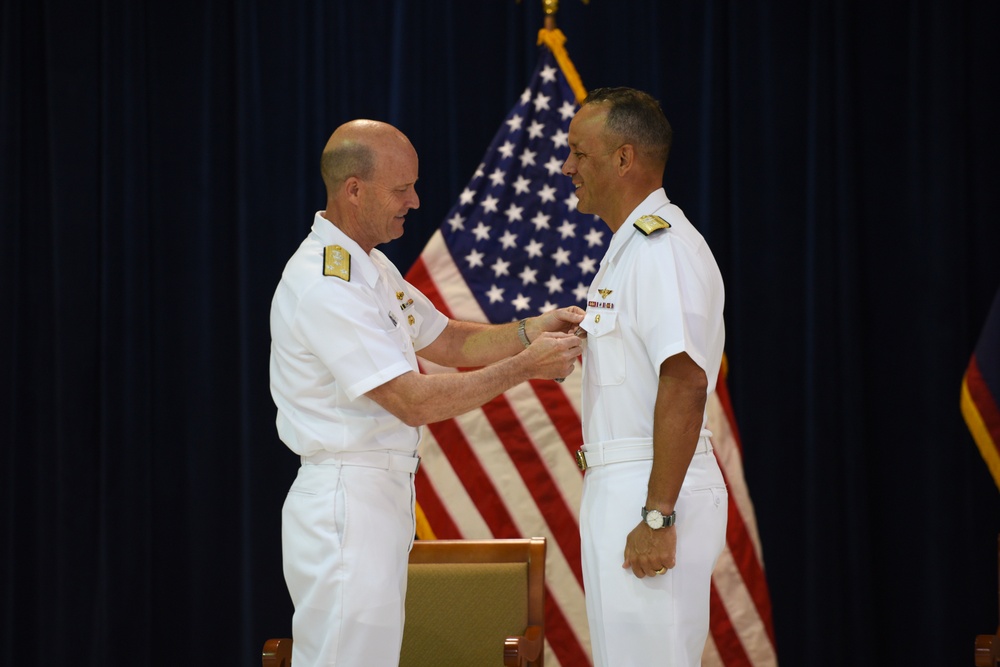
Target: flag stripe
column 981, row 391
column 444, row 481
column 534, row 472
column 727, row 642
column 742, row 614
column 419, row 276
column 562, row 412
column 442, row 526
column 739, row 577
column 745, row 559
column 488, row 502
column 722, row 393
column 982, row 417
column 984, row 400
column 560, row 637
column 749, row 567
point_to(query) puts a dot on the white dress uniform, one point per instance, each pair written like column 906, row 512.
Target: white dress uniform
column 653, row 297
column 342, row 323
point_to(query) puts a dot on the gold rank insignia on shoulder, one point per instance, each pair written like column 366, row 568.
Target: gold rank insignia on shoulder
column 648, row 224
column 337, row 262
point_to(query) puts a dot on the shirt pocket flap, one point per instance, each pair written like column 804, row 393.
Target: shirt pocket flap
column 599, row 322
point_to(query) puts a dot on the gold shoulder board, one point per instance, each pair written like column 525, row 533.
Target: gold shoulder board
column 648, row 224
column 337, row 262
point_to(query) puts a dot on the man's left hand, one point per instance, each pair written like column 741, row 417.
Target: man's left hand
column 650, row 552
column 563, row 320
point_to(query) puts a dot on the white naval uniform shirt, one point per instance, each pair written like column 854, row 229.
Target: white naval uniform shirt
column 652, row 298
column 332, row 340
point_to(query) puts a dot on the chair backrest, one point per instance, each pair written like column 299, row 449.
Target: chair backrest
column 469, row 602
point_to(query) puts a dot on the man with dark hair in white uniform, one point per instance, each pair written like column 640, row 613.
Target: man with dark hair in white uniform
column 346, row 329
column 654, row 507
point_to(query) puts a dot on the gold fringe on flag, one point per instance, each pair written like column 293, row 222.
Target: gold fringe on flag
column 554, row 39
column 424, row 530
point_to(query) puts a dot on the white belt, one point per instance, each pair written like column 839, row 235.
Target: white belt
column 385, row 460
column 619, row 451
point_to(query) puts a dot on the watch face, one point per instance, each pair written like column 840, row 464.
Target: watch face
column 654, row 519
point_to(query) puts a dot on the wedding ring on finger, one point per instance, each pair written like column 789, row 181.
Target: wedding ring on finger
column 662, row 570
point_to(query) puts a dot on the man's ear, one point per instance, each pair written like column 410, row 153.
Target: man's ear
column 626, row 158
column 352, row 188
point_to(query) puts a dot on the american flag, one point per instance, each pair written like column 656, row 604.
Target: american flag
column 514, row 246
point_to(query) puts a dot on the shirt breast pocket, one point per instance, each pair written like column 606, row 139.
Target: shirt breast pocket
column 396, row 328
column 605, row 358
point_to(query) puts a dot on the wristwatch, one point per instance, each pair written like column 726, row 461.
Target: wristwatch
column 655, row 519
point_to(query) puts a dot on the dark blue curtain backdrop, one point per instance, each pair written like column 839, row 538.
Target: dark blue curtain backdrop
column 159, row 163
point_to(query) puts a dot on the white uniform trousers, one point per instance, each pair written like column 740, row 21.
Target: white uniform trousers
column 659, row 621
column 346, row 532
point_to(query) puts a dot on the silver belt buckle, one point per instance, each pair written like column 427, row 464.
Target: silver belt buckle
column 581, row 460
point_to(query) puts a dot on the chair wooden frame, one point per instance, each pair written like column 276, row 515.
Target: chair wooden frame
column 519, row 651
column 988, row 646
column 277, row 653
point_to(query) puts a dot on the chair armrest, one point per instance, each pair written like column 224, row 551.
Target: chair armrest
column 276, row 653
column 522, row 650
column 987, row 650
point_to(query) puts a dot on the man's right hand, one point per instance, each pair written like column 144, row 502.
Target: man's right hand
column 552, row 355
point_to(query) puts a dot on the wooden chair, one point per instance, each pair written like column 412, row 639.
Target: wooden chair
column 468, row 602
column 988, row 646
column 277, row 653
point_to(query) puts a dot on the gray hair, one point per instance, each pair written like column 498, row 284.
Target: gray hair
column 635, row 118
column 349, row 158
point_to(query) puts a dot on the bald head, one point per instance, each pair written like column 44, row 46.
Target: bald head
column 370, row 170
column 354, row 149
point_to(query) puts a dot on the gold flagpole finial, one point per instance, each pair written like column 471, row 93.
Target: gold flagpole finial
column 550, row 7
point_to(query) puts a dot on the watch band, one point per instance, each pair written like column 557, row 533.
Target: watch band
column 522, row 334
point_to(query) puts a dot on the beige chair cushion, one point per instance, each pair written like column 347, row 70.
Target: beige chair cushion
column 458, row 614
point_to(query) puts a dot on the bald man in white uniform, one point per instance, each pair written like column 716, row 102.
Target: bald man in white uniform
column 346, row 330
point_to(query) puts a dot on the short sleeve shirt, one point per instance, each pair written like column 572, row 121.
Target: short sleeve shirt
column 335, row 337
column 654, row 296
